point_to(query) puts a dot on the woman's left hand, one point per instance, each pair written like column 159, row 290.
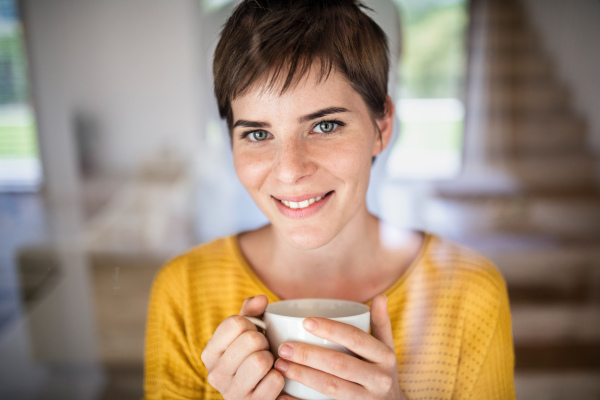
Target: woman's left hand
column 341, row 376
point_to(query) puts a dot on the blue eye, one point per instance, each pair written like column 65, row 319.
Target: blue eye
column 258, row 136
column 325, row 127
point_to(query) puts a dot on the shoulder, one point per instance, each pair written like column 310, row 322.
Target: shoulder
column 457, row 262
column 449, row 272
column 200, row 260
column 219, row 249
column 475, row 298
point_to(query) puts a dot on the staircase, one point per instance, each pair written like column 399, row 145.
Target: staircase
column 544, row 232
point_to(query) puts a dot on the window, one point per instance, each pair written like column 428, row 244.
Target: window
column 19, row 161
column 431, row 76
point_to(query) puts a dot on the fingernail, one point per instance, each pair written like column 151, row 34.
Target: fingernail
column 309, row 324
column 281, row 365
column 285, row 350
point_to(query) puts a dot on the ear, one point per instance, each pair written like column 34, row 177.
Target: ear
column 386, row 126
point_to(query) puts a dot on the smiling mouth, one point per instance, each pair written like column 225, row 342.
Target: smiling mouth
column 304, row 203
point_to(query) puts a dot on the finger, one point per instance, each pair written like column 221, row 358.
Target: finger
column 356, row 340
column 254, row 306
column 231, row 328
column 322, row 382
column 227, row 332
column 247, row 343
column 254, row 368
column 332, row 362
column 270, row 386
column 381, row 326
column 287, row 397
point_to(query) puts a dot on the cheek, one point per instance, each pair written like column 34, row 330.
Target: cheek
column 352, row 160
column 251, row 169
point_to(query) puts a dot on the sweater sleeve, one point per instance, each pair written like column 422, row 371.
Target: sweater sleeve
column 496, row 376
column 173, row 369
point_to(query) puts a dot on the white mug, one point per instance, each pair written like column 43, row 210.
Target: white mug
column 283, row 323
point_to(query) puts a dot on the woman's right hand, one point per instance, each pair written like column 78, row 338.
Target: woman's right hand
column 237, row 357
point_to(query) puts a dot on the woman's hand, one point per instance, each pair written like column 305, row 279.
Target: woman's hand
column 341, row 376
column 238, row 359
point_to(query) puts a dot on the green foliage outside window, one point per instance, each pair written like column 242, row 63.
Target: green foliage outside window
column 17, row 126
column 13, row 80
column 434, row 52
column 431, row 82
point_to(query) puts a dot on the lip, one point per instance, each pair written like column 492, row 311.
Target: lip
column 301, row 197
column 298, row 213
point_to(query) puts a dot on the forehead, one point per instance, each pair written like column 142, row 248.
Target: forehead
column 308, row 94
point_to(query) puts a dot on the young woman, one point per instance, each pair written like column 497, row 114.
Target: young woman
column 302, row 85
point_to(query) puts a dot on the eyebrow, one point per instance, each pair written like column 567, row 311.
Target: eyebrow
column 251, row 124
column 322, row 113
column 309, row 117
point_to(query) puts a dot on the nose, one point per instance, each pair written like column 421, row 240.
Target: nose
column 293, row 162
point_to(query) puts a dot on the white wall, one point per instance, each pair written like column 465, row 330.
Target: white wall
column 570, row 31
column 130, row 65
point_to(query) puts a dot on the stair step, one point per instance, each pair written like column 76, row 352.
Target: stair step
column 506, row 41
column 537, row 134
column 515, row 37
column 556, row 325
column 545, row 265
column 522, row 80
column 528, row 98
column 572, row 173
column 508, row 18
column 558, row 357
column 551, row 385
column 519, row 66
column 566, row 356
column 550, row 275
column 569, row 171
column 505, row 12
column 568, row 217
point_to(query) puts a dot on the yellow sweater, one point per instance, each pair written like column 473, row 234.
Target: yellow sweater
column 449, row 311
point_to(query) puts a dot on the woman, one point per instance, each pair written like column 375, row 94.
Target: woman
column 302, row 85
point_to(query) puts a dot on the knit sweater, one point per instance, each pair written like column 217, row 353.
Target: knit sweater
column 449, row 312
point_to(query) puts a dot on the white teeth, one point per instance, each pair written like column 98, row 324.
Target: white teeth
column 301, row 204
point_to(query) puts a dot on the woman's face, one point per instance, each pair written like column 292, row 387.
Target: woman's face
column 305, row 156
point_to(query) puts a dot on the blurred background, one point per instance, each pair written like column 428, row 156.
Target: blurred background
column 113, row 159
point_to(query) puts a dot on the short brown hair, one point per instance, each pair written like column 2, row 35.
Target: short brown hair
column 265, row 39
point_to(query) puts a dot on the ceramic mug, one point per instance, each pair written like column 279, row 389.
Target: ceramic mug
column 282, row 322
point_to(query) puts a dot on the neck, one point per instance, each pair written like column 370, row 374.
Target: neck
column 351, row 253
column 362, row 260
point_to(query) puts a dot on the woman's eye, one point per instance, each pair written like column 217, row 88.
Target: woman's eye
column 325, row 127
column 258, row 136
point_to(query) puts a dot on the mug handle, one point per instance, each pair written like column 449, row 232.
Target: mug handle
column 258, row 322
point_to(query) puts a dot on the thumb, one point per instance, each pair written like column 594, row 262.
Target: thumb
column 254, row 306
column 381, row 326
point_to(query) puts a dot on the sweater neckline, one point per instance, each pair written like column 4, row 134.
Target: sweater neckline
column 243, row 263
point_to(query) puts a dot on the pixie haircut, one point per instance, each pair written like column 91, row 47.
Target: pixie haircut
column 276, row 42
